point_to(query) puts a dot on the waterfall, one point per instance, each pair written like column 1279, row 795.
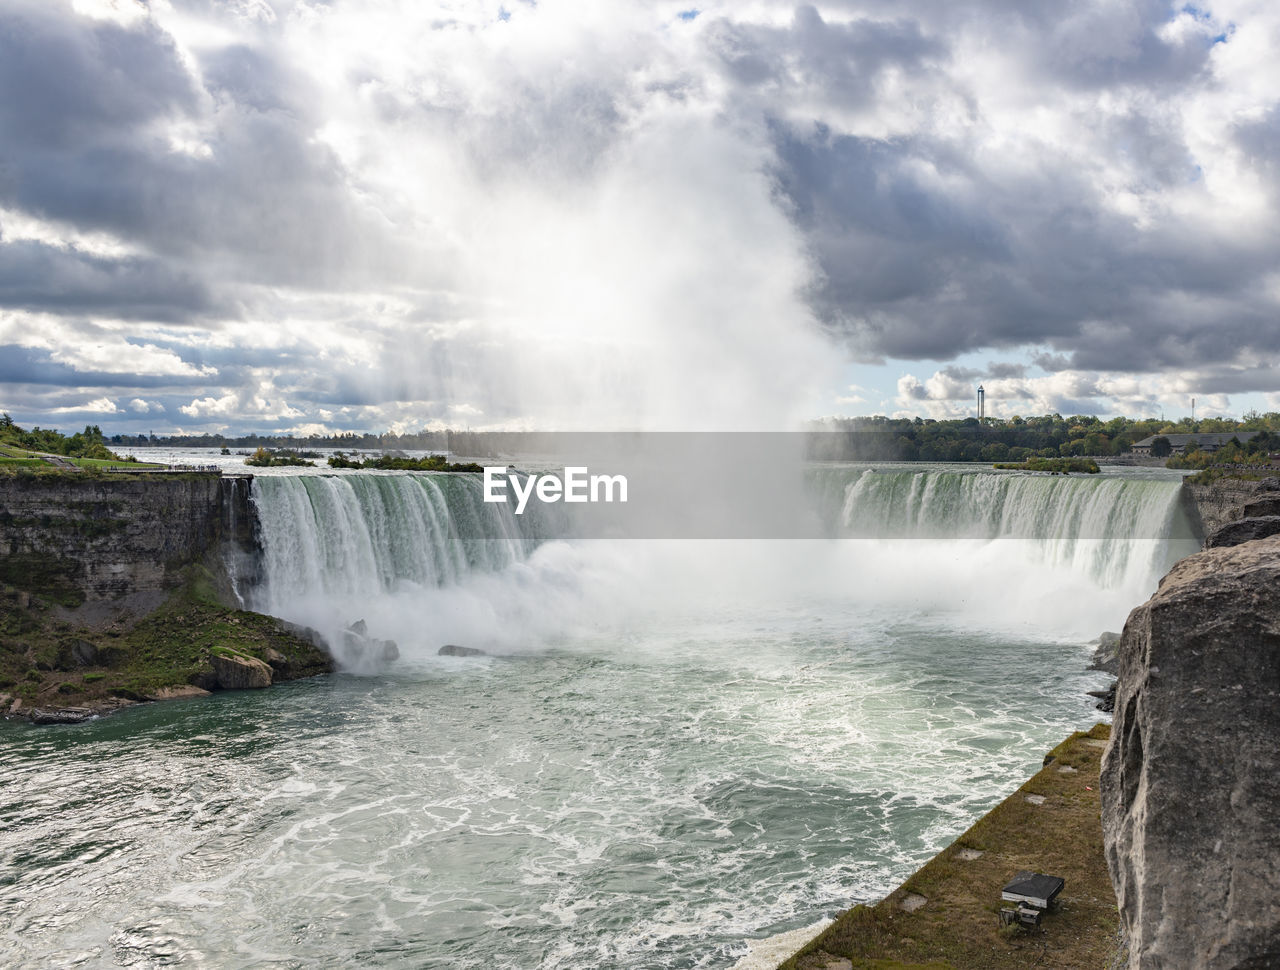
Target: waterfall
column 361, row 535
column 1114, row 531
column 426, row 561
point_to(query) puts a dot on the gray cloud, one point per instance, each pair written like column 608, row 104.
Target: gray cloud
column 82, row 141
column 1091, row 188
column 927, row 249
column 37, row 276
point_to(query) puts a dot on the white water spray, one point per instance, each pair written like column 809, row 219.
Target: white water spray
column 426, row 561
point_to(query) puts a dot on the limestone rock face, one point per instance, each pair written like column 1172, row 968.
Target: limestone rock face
column 1243, row 530
column 240, row 673
column 1223, row 501
column 1264, row 506
column 1106, row 655
column 103, row 538
column 1191, row 780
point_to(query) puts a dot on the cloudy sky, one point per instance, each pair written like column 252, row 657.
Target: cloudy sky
column 370, row 214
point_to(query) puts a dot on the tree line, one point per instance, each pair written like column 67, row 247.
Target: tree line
column 89, row 443
column 1011, row 439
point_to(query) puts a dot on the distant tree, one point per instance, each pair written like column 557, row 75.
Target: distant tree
column 996, row 451
column 1161, row 448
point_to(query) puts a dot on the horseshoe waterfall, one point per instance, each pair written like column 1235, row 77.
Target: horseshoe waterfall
column 654, row 751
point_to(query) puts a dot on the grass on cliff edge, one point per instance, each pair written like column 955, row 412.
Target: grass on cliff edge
column 169, row 647
column 12, row 456
column 958, row 928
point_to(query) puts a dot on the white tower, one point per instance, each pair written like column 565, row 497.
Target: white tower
column 982, row 403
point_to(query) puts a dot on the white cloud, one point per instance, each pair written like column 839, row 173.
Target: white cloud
column 101, row 405
column 123, row 12
column 211, row 406
column 18, row 226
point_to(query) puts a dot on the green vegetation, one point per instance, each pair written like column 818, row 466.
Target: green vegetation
column 430, row 463
column 1014, row 439
column 1254, row 453
column 1058, row 466
column 957, row 927
column 44, row 448
column 262, row 458
column 46, row 661
column 1210, row 475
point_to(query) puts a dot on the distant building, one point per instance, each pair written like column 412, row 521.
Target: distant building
column 1209, row 442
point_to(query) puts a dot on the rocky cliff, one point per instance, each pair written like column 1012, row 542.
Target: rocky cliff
column 85, row 537
column 1191, row 781
column 120, row 589
column 1226, row 500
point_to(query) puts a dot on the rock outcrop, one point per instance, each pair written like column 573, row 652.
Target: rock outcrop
column 1222, row 501
column 238, row 672
column 454, row 650
column 1191, row 781
column 1243, row 530
column 99, row 538
column 1106, row 653
column 365, row 652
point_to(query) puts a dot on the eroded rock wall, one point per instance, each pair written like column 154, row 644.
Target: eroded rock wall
column 1191, row 781
column 101, row 537
column 1222, row 501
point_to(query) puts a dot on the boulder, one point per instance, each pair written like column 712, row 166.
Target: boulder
column 238, row 672
column 177, row 692
column 83, row 653
column 61, row 715
column 1106, row 698
column 206, row 680
column 1106, row 655
column 360, row 628
column 453, row 650
column 1243, row 530
column 277, row 660
column 1191, row 779
column 365, row 651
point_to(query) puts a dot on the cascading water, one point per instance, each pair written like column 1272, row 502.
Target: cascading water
column 362, row 535
column 1111, row 536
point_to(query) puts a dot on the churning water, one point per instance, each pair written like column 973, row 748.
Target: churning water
column 674, row 747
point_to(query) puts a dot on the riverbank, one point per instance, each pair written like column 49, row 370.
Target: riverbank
column 944, row 917
column 61, row 665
